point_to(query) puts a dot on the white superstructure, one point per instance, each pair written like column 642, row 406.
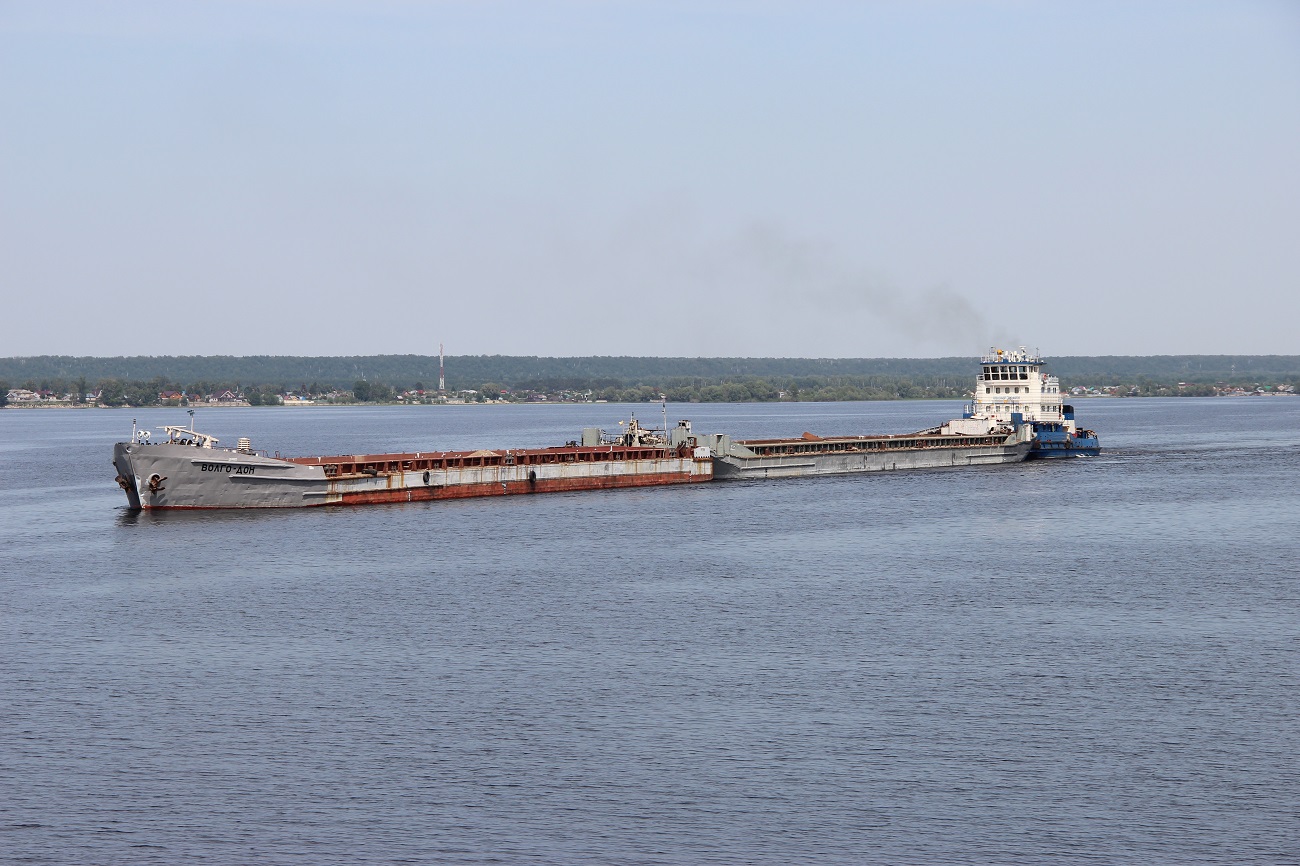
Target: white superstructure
column 1012, row 382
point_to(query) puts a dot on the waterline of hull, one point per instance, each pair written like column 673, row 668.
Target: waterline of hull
column 792, row 466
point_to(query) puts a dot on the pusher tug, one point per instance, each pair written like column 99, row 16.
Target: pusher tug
column 1013, row 389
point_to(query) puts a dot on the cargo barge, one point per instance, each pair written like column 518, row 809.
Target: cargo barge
column 188, row 471
column 938, row 447
column 1016, row 414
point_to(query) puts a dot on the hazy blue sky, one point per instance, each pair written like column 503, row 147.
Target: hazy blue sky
column 699, row 178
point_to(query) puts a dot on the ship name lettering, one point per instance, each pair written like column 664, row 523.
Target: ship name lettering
column 228, row 468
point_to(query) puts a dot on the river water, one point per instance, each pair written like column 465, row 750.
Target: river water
column 1091, row 661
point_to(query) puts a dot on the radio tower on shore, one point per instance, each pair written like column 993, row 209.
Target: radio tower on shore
column 442, row 382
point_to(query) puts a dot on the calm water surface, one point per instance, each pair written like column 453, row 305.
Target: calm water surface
column 1095, row 661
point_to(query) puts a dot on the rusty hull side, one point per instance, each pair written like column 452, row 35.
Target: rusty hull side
column 396, row 489
column 516, row 477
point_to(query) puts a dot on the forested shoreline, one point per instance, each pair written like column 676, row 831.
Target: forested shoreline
column 145, row 380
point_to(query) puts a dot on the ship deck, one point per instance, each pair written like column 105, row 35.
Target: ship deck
column 810, row 444
column 369, row 464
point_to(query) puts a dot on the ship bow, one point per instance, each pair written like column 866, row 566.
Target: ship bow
column 126, row 476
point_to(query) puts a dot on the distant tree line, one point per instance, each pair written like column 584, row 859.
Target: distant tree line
column 138, row 381
column 468, row 371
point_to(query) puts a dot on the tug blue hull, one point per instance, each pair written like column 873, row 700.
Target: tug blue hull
column 1052, row 441
column 1013, row 390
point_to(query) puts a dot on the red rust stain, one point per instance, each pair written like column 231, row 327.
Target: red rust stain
column 498, row 488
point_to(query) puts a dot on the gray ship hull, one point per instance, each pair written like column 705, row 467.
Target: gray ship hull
column 796, row 458
column 177, row 476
